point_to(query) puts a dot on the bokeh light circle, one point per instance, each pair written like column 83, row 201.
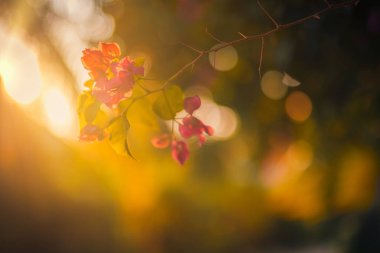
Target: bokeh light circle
column 272, row 85
column 224, row 59
column 298, row 106
column 228, row 125
column 300, row 155
column 19, row 70
column 58, row 111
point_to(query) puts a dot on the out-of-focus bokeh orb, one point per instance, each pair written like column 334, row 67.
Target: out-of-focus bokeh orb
column 272, row 85
column 224, row 59
column 228, row 125
column 298, row 106
column 299, row 155
column 59, row 113
column 75, row 10
column 224, row 120
column 19, row 71
column 99, row 27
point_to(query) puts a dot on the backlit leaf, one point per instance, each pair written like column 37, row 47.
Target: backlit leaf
column 91, row 110
column 101, row 119
column 84, row 101
column 137, row 90
column 89, row 83
column 169, row 103
column 139, row 61
column 118, row 132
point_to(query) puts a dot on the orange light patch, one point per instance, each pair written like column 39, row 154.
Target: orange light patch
column 298, row 106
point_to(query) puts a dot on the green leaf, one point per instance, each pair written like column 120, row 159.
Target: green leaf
column 89, row 83
column 169, row 103
column 83, row 100
column 136, row 93
column 123, row 104
column 118, row 131
column 101, row 119
column 89, row 111
column 127, row 149
column 139, row 61
column 137, row 90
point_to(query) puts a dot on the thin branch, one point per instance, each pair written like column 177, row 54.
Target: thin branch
column 242, row 35
column 327, row 3
column 259, row 36
column 243, row 38
column 186, row 66
column 261, row 55
column 192, row 67
column 190, row 47
column 283, row 26
column 213, row 36
column 148, row 79
column 267, row 14
column 142, row 87
column 318, row 13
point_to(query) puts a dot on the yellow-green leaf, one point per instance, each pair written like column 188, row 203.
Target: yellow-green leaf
column 169, row 103
column 89, row 111
column 101, row 119
column 89, row 83
column 139, row 61
column 118, row 132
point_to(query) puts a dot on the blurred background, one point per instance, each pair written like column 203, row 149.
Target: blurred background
column 294, row 163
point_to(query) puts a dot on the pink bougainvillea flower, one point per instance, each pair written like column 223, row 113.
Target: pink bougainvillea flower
column 180, row 151
column 113, row 79
column 97, row 60
column 91, row 133
column 111, row 50
column 111, row 91
column 161, row 141
column 191, row 126
column 118, row 83
column 129, row 65
column 191, row 104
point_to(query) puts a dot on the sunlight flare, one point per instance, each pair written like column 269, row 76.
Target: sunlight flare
column 58, row 112
column 19, row 71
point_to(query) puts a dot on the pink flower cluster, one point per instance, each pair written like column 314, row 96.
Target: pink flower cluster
column 189, row 127
column 112, row 78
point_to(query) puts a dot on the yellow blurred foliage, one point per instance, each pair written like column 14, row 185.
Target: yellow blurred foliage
column 356, row 180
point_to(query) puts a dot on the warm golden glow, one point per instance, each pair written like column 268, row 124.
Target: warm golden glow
column 356, row 180
column 299, row 155
column 298, row 106
column 19, row 71
column 58, row 111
